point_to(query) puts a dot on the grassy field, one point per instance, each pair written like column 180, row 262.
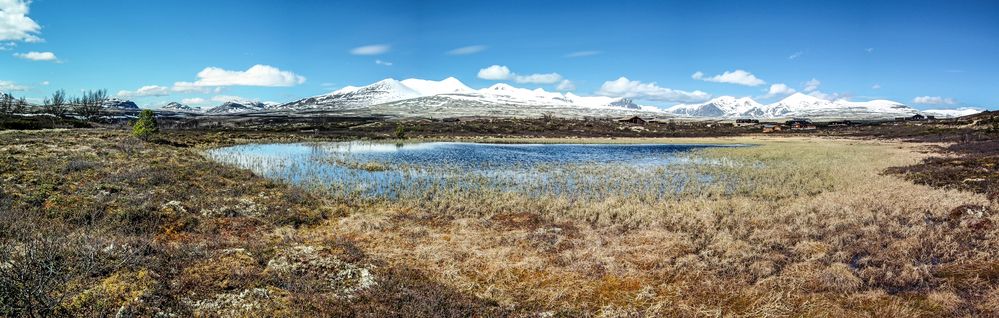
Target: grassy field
column 98, row 223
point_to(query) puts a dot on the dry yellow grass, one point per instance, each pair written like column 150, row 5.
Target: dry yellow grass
column 816, row 230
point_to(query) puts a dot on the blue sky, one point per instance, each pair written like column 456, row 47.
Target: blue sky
column 940, row 54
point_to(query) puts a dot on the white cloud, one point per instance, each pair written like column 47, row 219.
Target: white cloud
column 15, row 25
column 257, row 75
column 38, row 56
column 779, row 89
column 380, row 62
column 193, row 101
column 229, row 98
column 565, row 85
column 583, row 53
column 623, row 87
column 495, row 73
column 739, row 77
column 934, row 100
column 869, row 50
column 876, row 86
column 811, row 85
column 503, row 73
column 45, row 83
column 374, row 49
column 547, row 78
column 472, row 49
column 148, row 90
column 796, row 55
column 7, row 86
column 188, row 87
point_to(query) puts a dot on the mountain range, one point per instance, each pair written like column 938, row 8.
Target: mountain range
column 451, row 97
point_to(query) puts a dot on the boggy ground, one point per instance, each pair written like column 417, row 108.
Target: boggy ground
column 98, row 223
column 822, row 231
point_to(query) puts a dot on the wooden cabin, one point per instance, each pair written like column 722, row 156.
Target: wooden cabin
column 741, row 122
column 633, row 119
column 800, row 124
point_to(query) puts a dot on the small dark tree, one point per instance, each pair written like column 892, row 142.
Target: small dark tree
column 6, row 104
column 56, row 105
column 146, row 126
column 21, row 106
column 400, row 131
column 91, row 105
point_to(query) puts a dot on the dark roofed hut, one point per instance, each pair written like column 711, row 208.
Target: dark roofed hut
column 634, row 120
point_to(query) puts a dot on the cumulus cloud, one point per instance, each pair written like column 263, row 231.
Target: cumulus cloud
column 503, row 73
column 796, row 55
column 811, row 85
column 623, row 87
column 230, row 98
column 582, row 53
column 739, row 77
column 472, row 49
column 145, row 91
column 495, row 73
column 257, row 75
column 546, row 78
column 380, row 62
column 566, row 85
column 37, row 56
column 374, row 49
column 15, row 25
column 193, row 101
column 934, row 100
column 779, row 89
column 7, row 86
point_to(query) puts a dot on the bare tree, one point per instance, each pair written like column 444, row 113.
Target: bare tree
column 91, row 105
column 56, row 105
column 21, row 106
column 6, row 104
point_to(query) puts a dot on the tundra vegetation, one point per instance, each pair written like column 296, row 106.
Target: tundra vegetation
column 96, row 224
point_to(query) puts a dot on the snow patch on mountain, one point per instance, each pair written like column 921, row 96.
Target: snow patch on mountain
column 959, row 112
column 795, row 105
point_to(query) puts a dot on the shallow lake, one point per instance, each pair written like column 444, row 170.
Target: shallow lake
column 370, row 169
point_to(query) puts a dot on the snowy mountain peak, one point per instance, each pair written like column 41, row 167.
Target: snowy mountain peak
column 448, row 85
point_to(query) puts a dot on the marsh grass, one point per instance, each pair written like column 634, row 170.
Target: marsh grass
column 790, row 227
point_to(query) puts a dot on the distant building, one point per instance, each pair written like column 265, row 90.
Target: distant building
column 800, row 124
column 746, row 122
column 769, row 128
column 633, row 119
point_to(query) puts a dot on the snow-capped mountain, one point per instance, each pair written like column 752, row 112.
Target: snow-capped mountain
column 795, row 105
column 964, row 111
column 427, row 94
column 237, row 107
column 120, row 104
column 724, row 106
column 178, row 107
column 350, row 97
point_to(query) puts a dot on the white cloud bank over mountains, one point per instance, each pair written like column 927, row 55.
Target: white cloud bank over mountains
column 624, row 87
column 934, row 100
column 503, row 73
column 739, row 77
column 257, row 75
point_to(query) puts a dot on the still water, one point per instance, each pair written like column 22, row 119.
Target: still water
column 413, row 169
